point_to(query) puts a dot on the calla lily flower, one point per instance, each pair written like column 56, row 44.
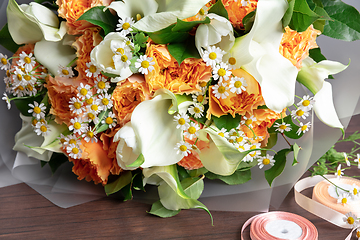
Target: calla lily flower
column 136, row 9
column 168, row 13
column 218, row 32
column 29, row 23
column 312, row 76
column 155, row 130
column 258, row 53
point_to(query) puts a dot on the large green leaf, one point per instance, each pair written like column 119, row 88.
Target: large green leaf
column 98, row 17
column 238, row 177
column 6, row 40
column 124, row 180
column 219, row 9
column 227, row 121
column 181, row 51
column 345, row 24
column 278, row 168
column 302, row 16
column 159, row 210
column 288, row 14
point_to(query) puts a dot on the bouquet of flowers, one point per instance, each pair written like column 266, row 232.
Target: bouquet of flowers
column 168, row 93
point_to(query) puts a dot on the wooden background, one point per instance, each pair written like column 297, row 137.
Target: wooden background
column 25, row 214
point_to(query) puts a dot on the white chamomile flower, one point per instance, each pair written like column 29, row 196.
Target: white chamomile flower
column 19, row 90
column 144, row 64
column 128, row 42
column 122, row 61
column 300, row 113
column 202, row 12
column 110, row 120
column 212, row 55
column 197, row 110
column 125, row 25
column 351, row 219
column 7, row 100
column 223, row 133
column 62, row 139
column 84, row 91
column 38, row 111
column 303, row 128
column 237, row 85
column 203, row 86
column 241, row 138
column 28, row 78
column 266, row 160
column 242, row 147
column 27, row 61
column 90, row 135
column 66, row 72
column 339, row 172
column 92, row 70
column 77, row 125
column 76, row 106
column 358, row 160
column 281, row 127
column 182, row 121
column 71, row 139
column 346, row 159
column 119, row 48
column 248, row 121
column 250, row 157
column 306, row 103
column 200, row 97
column 220, row 90
column 343, row 198
column 355, row 191
column 91, row 116
column 4, row 63
column 192, row 131
column 41, row 128
column 183, row 148
column 221, row 72
column 18, row 75
column 74, row 151
column 105, row 101
column 232, row 63
column 102, row 85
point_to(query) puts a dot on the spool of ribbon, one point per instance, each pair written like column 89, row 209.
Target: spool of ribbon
column 280, row 225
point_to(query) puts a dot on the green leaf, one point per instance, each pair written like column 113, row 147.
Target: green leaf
column 110, row 75
column 244, row 166
column 138, row 183
column 302, row 16
column 140, row 160
column 227, row 121
column 198, row 172
column 296, row 150
column 219, row 9
column 248, row 21
column 132, row 64
column 159, row 210
column 353, row 137
column 22, row 104
column 183, row 26
column 238, row 177
column 182, row 172
column 6, row 40
column 346, row 21
column 294, row 128
column 278, row 168
column 56, row 160
column 126, row 191
column 98, row 17
column 316, row 55
column 183, row 50
column 140, row 39
column 124, row 180
column 288, row 14
column 272, row 140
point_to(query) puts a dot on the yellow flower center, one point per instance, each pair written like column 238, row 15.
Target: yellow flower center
column 19, row 77
column 34, row 122
column 344, row 200
column 89, row 101
column 91, row 116
column 221, row 72
column 145, row 64
column 83, row 91
column 109, row 120
column 306, row 103
column 77, row 105
column 212, row 55
column 29, row 87
column 8, row 73
column 72, row 141
column 183, row 148
column 120, row 50
column 239, row 139
column 355, row 191
column 248, row 122
column 43, row 128
column 358, row 234
column 283, row 127
column 128, row 42
column 62, row 140
column 192, row 130
column 197, row 110
column 231, row 141
column 299, row 112
column 21, row 88
column 4, row 61
column 202, row 12
column 37, row 110
column 27, row 60
column 237, row 84
column 124, row 58
column 77, row 125
column 203, row 84
column 232, row 61
column 65, row 72
column 241, row 147
column 200, row 98
column 27, row 77
column 234, row 134
column 75, row 150
column 138, row 17
column 221, row 134
column 92, row 69
column 253, row 153
column 181, row 121
column 90, row 134
column 42, row 120
column 303, row 128
column 350, row 220
column 266, row 161
column 126, row 26
column 221, row 89
column 105, row 101
column 94, row 107
column 339, row 172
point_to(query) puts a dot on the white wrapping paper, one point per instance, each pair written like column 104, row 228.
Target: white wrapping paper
column 64, row 190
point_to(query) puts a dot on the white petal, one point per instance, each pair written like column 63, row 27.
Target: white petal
column 130, row 8
column 44, row 15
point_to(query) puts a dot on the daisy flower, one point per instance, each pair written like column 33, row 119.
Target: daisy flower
column 355, row 191
column 203, row 86
column 182, row 121
column 241, row 138
column 122, row 61
column 196, row 110
column 281, row 127
column 76, row 106
column 74, row 151
column 84, row 91
column 248, row 120
column 266, row 160
column 303, row 128
column 4, row 63
column 351, row 219
column 339, row 172
column 220, row 90
column 183, row 148
column 91, row 116
column 66, row 72
column 128, row 42
column 347, row 159
column 27, row 61
column 125, row 26
column 7, row 100
column 28, row 78
column 231, row 63
column 19, row 90
column 95, row 106
column 144, row 64
column 41, row 128
column 242, row 147
column 250, row 157
column 306, row 103
column 90, row 135
column 77, row 125
column 300, row 113
column 18, row 75
column 237, row 85
column 358, row 233
column 343, row 198
column 110, row 120
column 71, row 139
column 92, row 70
column 38, row 111
column 200, row 97
column 358, row 160
column 212, row 55
column 119, row 48
column 223, row 133
column 105, row 101
column 192, row 131
column 221, row 72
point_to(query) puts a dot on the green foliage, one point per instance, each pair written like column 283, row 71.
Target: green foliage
column 98, row 17
column 159, row 210
column 227, row 121
column 279, row 165
column 219, row 9
column 353, row 137
column 288, row 14
column 294, row 128
column 295, row 148
column 124, row 180
column 102, row 127
column 248, row 21
column 6, row 40
column 197, row 172
column 110, row 75
column 140, row 39
column 238, row 177
column 181, row 51
column 140, row 160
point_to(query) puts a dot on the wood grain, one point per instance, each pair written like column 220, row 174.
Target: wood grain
column 25, row 214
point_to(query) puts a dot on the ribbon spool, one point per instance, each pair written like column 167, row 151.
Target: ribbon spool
column 324, row 193
column 280, row 225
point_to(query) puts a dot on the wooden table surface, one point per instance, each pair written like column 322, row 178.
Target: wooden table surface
column 25, row 214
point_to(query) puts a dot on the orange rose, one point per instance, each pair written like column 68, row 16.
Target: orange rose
column 71, row 10
column 185, row 78
column 127, row 95
column 242, row 103
column 237, row 12
column 295, row 45
column 110, row 148
column 94, row 164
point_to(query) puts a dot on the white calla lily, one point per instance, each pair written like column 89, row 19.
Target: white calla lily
column 258, row 53
column 168, row 13
column 29, row 23
column 218, row 32
column 53, row 54
column 156, row 131
column 134, row 8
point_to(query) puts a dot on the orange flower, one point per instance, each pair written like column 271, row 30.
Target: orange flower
column 242, row 103
column 94, row 164
column 109, row 147
column 185, row 78
column 295, row 45
column 71, row 10
column 84, row 44
column 237, row 12
column 127, row 95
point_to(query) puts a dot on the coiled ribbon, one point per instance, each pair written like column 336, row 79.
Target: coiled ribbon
column 280, row 225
